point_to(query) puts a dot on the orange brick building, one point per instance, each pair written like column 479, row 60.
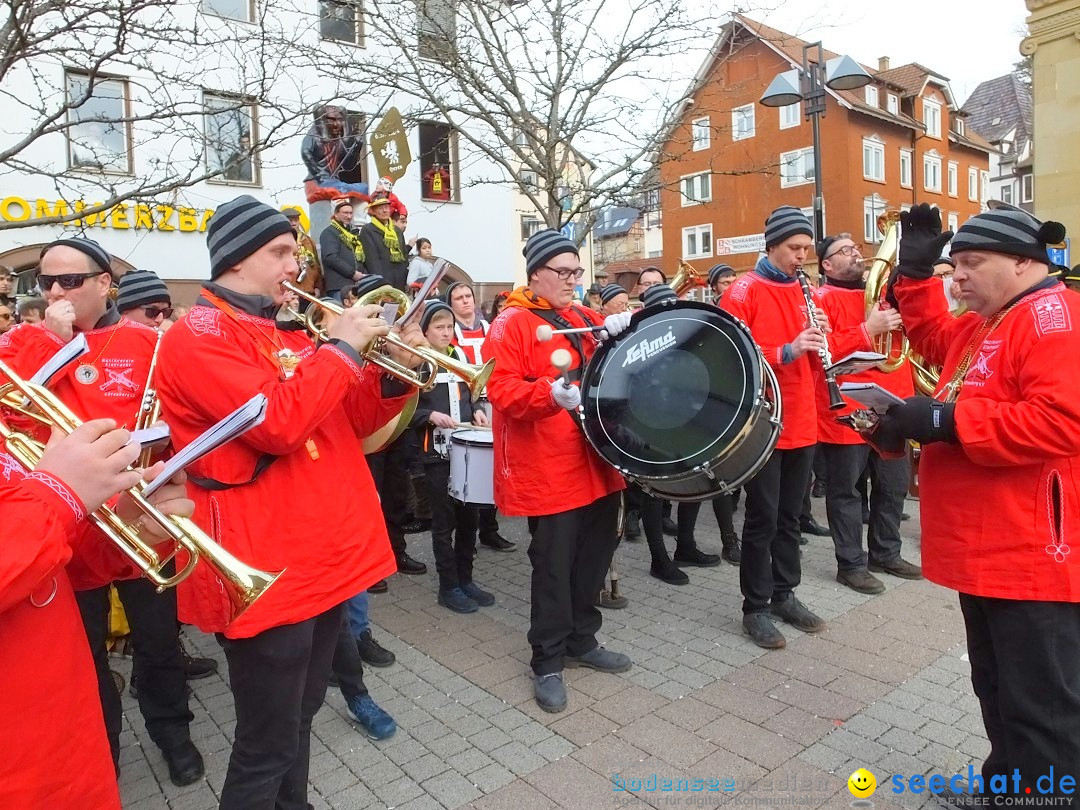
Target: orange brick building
column 728, row 161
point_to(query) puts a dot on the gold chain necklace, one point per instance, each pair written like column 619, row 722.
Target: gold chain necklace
column 86, row 373
column 953, row 386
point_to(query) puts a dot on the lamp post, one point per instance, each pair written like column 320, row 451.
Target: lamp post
column 807, row 84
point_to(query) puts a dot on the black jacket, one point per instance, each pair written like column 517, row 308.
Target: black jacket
column 377, row 257
column 338, row 261
column 438, row 399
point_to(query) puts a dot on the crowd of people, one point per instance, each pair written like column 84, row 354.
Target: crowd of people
column 1002, row 430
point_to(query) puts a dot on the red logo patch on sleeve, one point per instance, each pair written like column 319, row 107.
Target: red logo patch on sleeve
column 1051, row 315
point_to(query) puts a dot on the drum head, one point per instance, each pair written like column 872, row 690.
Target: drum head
column 673, row 391
column 472, row 437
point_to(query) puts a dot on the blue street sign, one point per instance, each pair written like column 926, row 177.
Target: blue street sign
column 1061, row 254
column 568, row 230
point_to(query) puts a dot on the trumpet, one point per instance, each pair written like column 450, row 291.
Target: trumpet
column 475, row 376
column 687, row 278
column 243, row 584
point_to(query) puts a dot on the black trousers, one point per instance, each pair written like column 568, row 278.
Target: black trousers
column 486, row 522
column 348, row 666
column 278, row 680
column 156, row 661
column 652, row 521
column 844, row 503
column 453, row 529
column 724, row 509
column 1025, row 668
column 770, row 567
column 570, row 554
column 390, row 471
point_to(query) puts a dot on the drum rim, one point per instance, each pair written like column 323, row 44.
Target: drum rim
column 488, row 439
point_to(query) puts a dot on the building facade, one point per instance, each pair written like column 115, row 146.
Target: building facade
column 1000, row 110
column 728, row 161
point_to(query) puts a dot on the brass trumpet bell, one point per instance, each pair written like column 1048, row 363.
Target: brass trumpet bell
column 688, row 278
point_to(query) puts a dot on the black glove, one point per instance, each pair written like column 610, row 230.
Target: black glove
column 921, row 241
column 920, row 418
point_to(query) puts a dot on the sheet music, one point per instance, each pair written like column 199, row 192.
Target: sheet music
column 72, row 351
column 243, row 419
column 155, row 434
column 871, row 395
column 856, row 362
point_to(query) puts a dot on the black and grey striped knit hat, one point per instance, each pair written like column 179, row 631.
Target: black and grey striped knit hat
column 718, row 271
column 138, row 288
column 609, row 291
column 97, row 254
column 543, row 246
column 368, row 284
column 656, row 294
column 433, row 307
column 784, row 223
column 239, row 228
column 1010, row 231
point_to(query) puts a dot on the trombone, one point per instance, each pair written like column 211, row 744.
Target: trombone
column 475, row 376
column 243, row 584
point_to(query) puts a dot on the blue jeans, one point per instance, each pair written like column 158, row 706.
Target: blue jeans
column 356, row 612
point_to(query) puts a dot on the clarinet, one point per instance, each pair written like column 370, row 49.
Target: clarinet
column 836, row 401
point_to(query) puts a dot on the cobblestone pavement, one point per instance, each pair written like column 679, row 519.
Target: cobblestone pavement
column 886, row 687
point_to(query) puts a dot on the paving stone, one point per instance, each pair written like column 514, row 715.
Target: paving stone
column 518, row 758
column 628, row 705
column 583, row 726
column 451, row 789
column 424, row 767
column 490, row 739
column 491, row 777
column 675, row 746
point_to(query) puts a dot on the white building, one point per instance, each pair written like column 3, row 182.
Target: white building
column 1001, row 111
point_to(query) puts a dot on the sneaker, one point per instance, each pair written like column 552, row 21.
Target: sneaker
column 550, row 692
column 762, row 631
column 377, row 723
column 668, row 572
column 195, row 667
column 697, row 557
column 373, row 653
column 478, row 594
column 407, row 565
column 898, row 568
column 732, row 549
column 379, row 587
column 498, row 543
column 455, row 599
column 861, row 580
column 795, row 613
column 600, row 659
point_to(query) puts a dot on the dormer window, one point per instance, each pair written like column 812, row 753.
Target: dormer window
column 872, row 95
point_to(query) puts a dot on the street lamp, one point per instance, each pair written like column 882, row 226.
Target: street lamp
column 808, row 84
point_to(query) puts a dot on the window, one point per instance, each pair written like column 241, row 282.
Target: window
column 1007, row 193
column 872, row 96
column 796, row 168
column 529, row 179
column 932, row 117
column 696, row 188
column 953, row 175
column 932, row 172
column 893, row 103
column 530, row 225
column 438, row 162
column 701, row 134
column 436, row 36
column 99, row 137
column 791, row 115
column 341, row 21
column 1027, row 192
column 905, row 168
column 873, row 159
column 984, row 178
column 960, row 128
column 521, row 140
column 954, row 221
column 233, row 9
column 229, row 124
column 742, row 122
column 973, row 184
column 873, row 207
column 652, row 208
column 697, row 242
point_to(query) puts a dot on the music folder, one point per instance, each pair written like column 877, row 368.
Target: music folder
column 855, row 362
column 870, row 395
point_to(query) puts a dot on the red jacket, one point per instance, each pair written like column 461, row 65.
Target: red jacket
column 314, row 510
column 776, row 315
column 1000, row 507
column 56, row 753
column 543, row 463
column 846, row 309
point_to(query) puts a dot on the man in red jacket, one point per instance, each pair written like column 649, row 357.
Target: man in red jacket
column 545, row 468
column 999, row 478
column 255, row 492
column 847, row 455
column 769, row 301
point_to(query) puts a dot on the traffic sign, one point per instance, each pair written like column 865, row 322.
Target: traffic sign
column 1060, row 253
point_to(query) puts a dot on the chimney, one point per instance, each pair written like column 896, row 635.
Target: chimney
column 882, row 64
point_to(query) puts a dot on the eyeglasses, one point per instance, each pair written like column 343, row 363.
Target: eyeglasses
column 152, row 311
column 67, row 281
column 566, row 275
column 847, row 250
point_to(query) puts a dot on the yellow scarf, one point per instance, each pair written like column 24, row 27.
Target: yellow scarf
column 350, row 239
column 390, row 237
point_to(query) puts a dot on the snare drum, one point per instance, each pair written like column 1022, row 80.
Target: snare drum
column 472, row 467
column 682, row 402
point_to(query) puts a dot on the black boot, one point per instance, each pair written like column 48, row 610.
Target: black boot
column 732, row 548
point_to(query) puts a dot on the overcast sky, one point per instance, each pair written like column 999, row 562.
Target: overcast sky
column 965, row 40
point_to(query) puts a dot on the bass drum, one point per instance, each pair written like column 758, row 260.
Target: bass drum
column 682, row 402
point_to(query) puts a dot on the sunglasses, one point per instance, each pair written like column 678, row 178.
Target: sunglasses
column 152, row 311
column 565, row 275
column 67, row 281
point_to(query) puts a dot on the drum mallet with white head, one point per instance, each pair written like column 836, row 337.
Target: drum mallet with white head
column 544, row 333
column 561, row 359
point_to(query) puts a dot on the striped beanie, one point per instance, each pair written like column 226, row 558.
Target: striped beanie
column 138, row 288
column 97, row 254
column 543, row 246
column 658, row 293
column 368, row 284
column 718, row 271
column 433, row 307
column 609, row 291
column 1007, row 230
column 784, row 223
column 239, row 228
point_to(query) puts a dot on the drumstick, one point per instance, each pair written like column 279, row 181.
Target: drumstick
column 560, row 358
column 544, row 333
